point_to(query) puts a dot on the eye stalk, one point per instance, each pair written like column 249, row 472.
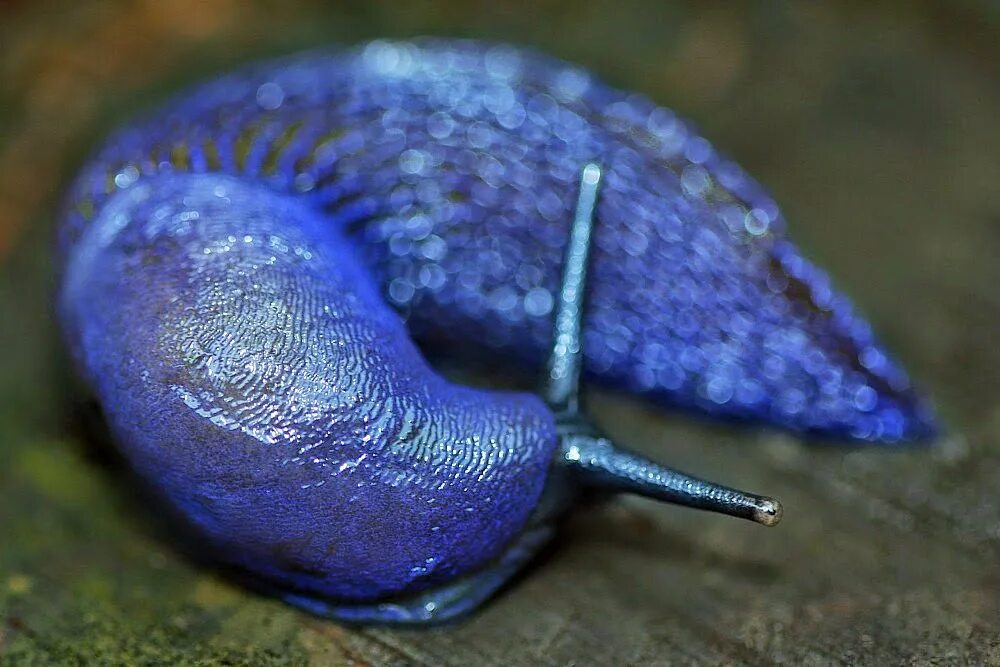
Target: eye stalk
column 589, row 457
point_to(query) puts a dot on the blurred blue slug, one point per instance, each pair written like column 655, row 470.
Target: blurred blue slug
column 244, row 272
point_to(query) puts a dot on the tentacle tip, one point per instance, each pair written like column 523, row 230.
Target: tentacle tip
column 768, row 512
column 592, row 174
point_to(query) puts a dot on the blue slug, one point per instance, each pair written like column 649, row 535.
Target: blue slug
column 242, row 274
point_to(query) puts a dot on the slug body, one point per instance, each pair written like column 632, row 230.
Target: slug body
column 278, row 402
column 227, row 273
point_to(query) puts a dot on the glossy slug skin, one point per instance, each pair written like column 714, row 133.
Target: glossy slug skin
column 251, row 372
column 452, row 166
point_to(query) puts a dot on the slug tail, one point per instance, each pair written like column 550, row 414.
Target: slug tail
column 885, row 406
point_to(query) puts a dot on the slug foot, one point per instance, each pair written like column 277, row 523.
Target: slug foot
column 438, row 605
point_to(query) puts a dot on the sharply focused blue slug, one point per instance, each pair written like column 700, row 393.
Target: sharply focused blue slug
column 243, row 271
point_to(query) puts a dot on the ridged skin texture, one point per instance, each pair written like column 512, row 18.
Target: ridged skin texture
column 453, row 166
column 252, row 373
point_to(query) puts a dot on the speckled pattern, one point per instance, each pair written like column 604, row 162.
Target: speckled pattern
column 453, row 166
column 260, row 383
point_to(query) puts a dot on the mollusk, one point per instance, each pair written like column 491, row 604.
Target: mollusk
column 243, row 271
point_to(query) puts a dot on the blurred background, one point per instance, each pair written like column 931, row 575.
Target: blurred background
column 876, row 125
